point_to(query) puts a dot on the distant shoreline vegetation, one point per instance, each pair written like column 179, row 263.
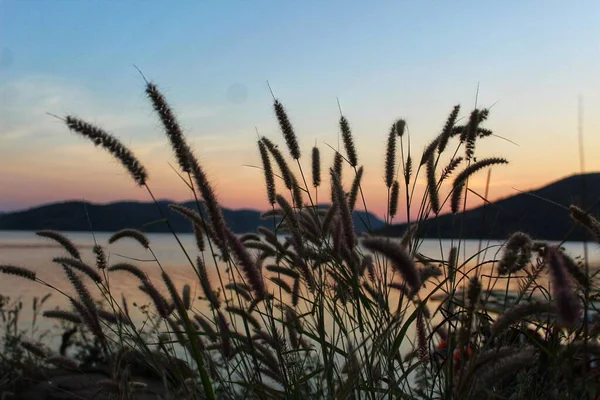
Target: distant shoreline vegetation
column 332, row 311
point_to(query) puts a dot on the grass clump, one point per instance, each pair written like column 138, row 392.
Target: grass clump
column 309, row 309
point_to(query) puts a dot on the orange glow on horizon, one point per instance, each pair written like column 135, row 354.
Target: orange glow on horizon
column 237, row 188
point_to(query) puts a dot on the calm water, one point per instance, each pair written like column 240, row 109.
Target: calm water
column 28, row 250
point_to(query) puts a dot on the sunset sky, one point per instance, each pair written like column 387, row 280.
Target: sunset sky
column 384, row 60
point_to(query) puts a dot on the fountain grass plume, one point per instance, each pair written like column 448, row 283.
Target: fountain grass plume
column 297, row 193
column 225, row 335
column 283, row 270
column 34, row 348
column 272, row 239
column 501, row 368
column 338, row 163
column 198, row 224
column 199, row 236
column 17, row 271
column 348, row 142
column 251, row 271
column 171, row 125
column 134, row 234
column 339, row 197
column 79, row 265
column 62, row 315
column 101, row 262
column 160, row 303
column 132, row 269
column 460, row 181
column 452, row 165
column 246, row 237
column 432, row 189
column 576, row 271
column 294, row 225
column 286, row 173
column 316, row 167
column 110, row 143
column 61, row 239
column 422, row 343
column 567, row 302
column 400, row 259
column 89, row 318
column 390, row 157
column 448, row 128
column 173, row 292
column 354, row 190
column 517, row 253
column 519, row 313
column 245, row 315
column 213, row 209
column 186, row 296
column 206, row 285
column 470, row 133
column 187, row 160
column 429, row 151
column 206, row 327
column 585, row 219
column 82, row 291
column 268, row 170
column 473, row 292
column 287, row 130
column 400, row 127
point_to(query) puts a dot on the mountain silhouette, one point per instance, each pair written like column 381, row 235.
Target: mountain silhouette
column 542, row 213
column 73, row 216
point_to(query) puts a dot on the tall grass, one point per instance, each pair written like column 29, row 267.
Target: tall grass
column 311, row 309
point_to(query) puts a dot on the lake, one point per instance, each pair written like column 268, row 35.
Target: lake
column 28, row 250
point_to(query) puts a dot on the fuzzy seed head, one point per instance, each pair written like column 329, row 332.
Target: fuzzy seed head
column 252, row 272
column 394, row 197
column 287, row 130
column 79, row 265
column 348, row 142
column 17, row 271
column 316, row 167
column 132, row 269
column 585, row 219
column 134, row 234
column 112, row 145
column 61, row 239
column 390, row 157
column 432, row 189
column 186, row 296
column 353, row 195
column 567, row 302
column 206, row 285
column 400, row 127
column 286, row 173
column 400, row 259
column 338, row 163
column 268, row 170
column 101, row 262
column 448, row 128
column 171, row 126
column 517, row 254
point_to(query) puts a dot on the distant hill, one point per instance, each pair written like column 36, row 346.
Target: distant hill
column 526, row 212
column 71, row 216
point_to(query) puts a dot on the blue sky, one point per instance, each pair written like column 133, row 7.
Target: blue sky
column 383, row 59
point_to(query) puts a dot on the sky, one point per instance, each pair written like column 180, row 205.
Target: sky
column 383, row 60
